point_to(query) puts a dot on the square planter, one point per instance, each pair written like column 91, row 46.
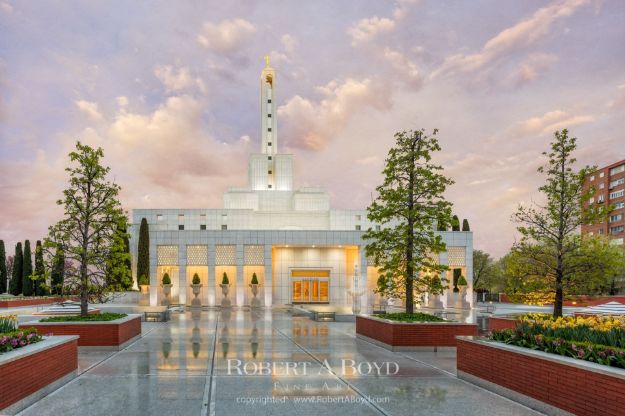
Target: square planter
column 31, row 372
column 411, row 336
column 549, row 383
column 17, row 303
column 104, row 334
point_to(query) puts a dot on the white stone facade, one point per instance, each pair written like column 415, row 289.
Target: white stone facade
column 296, row 245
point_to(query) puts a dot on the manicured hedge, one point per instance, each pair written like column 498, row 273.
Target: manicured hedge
column 410, row 317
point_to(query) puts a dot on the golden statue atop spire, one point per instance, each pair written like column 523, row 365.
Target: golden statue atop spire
column 267, row 60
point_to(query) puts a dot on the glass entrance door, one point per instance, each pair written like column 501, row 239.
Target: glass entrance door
column 310, row 291
column 310, row 286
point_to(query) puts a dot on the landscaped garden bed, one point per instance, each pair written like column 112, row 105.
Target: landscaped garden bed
column 19, row 301
column 402, row 332
column 101, row 330
column 576, row 364
column 33, row 371
column 30, row 363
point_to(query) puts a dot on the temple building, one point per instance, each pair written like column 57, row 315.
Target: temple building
column 301, row 250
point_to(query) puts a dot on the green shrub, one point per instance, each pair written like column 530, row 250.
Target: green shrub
column 166, row 279
column 410, row 317
column 254, row 279
column 196, row 279
column 105, row 316
column 462, row 281
column 224, row 279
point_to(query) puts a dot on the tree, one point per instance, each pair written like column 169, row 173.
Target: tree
column 3, row 268
column 119, row 275
column 27, row 271
column 465, row 225
column 549, row 244
column 590, row 268
column 16, row 276
column 87, row 233
column 455, row 223
column 41, row 288
column 57, row 275
column 143, row 254
column 481, row 262
column 410, row 205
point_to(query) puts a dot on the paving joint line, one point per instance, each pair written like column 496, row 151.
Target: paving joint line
column 347, row 383
column 208, row 402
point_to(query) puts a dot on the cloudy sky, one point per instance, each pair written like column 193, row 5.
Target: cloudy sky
column 170, row 91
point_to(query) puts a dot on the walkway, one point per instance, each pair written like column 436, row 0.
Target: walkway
column 190, row 366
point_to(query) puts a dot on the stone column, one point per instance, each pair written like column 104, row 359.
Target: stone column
column 182, row 274
column 212, row 295
column 365, row 301
column 240, row 278
column 154, row 283
column 268, row 283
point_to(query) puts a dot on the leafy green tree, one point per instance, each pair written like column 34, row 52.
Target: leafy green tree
column 465, row 225
column 3, row 268
column 28, row 286
column 143, row 254
column 118, row 274
column 455, row 223
column 57, row 275
column 41, row 288
column 481, row 262
column 16, row 275
column 410, row 206
column 549, row 232
column 87, row 234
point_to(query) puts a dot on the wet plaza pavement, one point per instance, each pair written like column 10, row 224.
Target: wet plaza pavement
column 265, row 363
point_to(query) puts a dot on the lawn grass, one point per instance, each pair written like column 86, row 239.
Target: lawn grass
column 97, row 317
column 410, row 317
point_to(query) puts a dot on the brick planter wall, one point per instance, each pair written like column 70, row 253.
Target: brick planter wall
column 501, row 322
column 543, row 381
column 94, row 334
column 404, row 335
column 29, row 369
column 30, row 302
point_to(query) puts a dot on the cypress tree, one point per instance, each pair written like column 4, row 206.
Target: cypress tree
column 3, row 268
column 41, row 289
column 455, row 223
column 57, row 275
column 118, row 268
column 465, row 225
column 143, row 254
column 16, row 278
column 27, row 271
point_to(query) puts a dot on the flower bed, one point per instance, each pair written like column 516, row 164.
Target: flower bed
column 11, row 338
column 33, row 371
column 546, row 382
column 594, row 338
column 113, row 334
column 406, row 336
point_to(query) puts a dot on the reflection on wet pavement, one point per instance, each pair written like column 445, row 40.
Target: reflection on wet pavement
column 234, row 362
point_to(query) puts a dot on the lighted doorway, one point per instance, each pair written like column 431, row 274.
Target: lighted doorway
column 311, row 286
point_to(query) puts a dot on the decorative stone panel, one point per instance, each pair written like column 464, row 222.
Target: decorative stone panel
column 197, row 255
column 254, row 255
column 167, row 255
column 456, row 256
column 226, row 255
